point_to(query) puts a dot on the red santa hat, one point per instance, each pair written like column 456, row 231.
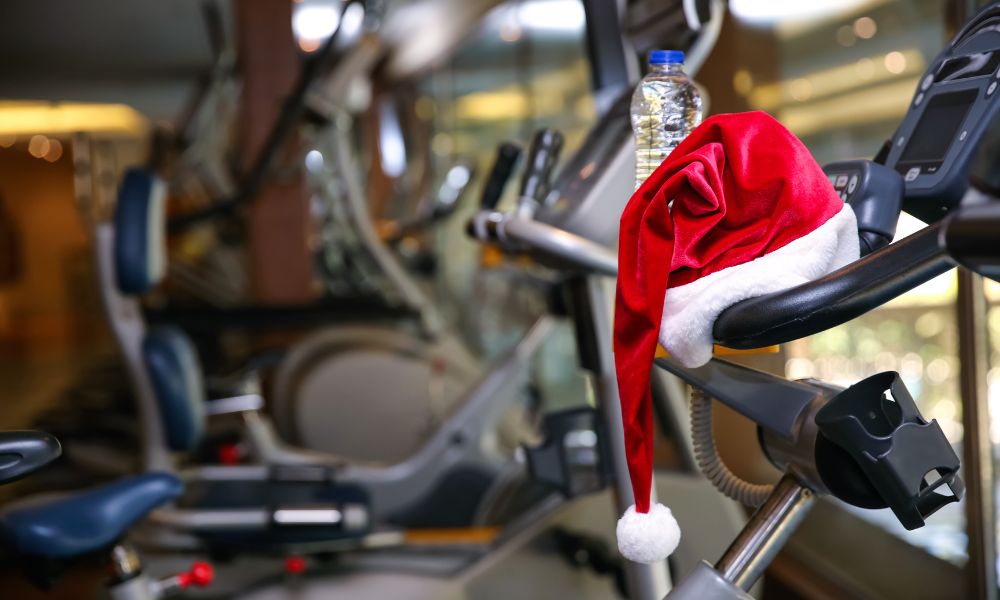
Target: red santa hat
column 739, row 209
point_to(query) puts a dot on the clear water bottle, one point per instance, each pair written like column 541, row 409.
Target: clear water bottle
column 666, row 106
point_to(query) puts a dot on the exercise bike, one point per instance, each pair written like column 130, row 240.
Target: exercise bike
column 866, row 445
column 47, row 535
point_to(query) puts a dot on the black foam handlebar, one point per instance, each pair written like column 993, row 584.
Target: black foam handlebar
column 542, row 158
column 836, row 298
column 503, row 166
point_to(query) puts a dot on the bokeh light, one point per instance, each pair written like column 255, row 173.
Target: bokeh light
column 38, row 146
column 895, row 62
column 54, row 152
column 865, row 28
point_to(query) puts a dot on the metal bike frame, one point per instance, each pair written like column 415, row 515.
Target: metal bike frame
column 591, row 294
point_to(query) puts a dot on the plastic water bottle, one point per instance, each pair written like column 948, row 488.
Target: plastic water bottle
column 666, row 106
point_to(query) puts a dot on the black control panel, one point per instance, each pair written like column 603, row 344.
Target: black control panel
column 844, row 178
column 875, row 192
column 954, row 101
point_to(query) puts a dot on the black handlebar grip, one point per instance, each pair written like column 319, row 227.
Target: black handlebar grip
column 503, row 166
column 542, row 157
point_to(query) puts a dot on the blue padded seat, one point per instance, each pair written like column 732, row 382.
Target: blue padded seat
column 140, row 236
column 175, row 372
column 88, row 521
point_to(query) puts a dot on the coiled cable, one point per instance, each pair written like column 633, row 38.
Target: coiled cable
column 707, row 457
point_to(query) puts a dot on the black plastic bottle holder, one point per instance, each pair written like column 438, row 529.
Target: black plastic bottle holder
column 875, row 450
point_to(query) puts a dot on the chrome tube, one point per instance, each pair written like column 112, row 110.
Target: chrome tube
column 766, row 533
column 541, row 238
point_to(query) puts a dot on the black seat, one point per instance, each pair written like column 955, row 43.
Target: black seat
column 88, row 521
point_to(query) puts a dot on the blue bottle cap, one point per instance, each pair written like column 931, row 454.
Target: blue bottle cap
column 663, row 57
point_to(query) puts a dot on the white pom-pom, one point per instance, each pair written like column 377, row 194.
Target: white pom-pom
column 648, row 537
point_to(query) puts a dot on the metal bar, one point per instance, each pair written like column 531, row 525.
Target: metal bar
column 670, row 405
column 560, row 244
column 645, row 581
column 234, row 404
column 977, row 451
column 572, row 250
column 766, row 532
column 211, row 519
column 391, row 268
column 612, row 69
column 263, row 317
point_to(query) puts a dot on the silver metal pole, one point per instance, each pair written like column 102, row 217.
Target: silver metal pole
column 766, row 533
column 645, row 581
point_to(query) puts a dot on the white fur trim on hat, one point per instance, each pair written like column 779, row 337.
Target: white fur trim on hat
column 648, row 537
column 690, row 310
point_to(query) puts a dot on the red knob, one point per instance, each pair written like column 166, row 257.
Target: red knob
column 230, row 454
column 201, row 574
column 295, row 565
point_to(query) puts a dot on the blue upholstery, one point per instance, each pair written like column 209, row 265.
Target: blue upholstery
column 173, row 367
column 88, row 521
column 140, row 247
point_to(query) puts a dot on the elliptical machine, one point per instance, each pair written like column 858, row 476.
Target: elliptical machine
column 303, row 412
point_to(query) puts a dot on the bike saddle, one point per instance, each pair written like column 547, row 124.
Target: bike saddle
column 24, row 452
column 88, row 521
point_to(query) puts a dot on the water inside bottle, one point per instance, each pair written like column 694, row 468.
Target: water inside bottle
column 666, row 106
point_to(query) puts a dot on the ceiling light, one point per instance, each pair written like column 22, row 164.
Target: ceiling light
column 552, row 15
column 26, row 118
column 769, row 11
column 314, row 23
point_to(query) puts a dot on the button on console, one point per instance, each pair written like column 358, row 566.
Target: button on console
column 912, row 174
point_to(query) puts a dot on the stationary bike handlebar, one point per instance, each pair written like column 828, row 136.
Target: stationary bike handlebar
column 804, row 310
column 965, row 236
column 521, row 234
column 835, row 298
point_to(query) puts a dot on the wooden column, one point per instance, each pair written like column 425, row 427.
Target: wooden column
column 278, row 224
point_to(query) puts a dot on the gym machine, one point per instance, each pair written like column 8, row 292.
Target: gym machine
column 866, row 445
column 49, row 534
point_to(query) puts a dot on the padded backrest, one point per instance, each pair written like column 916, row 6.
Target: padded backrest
column 175, row 373
column 140, row 240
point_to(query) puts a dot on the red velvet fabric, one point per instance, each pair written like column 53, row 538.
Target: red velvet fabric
column 742, row 186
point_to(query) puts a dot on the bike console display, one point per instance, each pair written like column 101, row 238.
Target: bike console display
column 954, row 102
